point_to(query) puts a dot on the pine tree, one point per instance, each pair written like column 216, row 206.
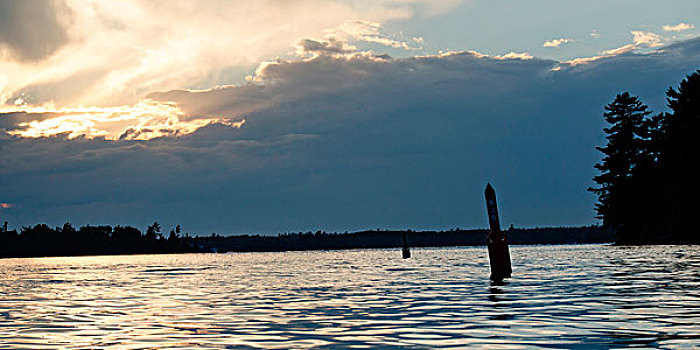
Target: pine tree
column 679, row 158
column 627, row 152
column 153, row 232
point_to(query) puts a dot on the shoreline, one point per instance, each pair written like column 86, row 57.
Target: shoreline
column 106, row 242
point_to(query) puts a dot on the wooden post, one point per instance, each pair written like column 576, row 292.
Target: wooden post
column 406, row 253
column 499, row 256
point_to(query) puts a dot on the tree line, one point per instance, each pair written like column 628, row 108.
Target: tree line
column 648, row 181
column 42, row 240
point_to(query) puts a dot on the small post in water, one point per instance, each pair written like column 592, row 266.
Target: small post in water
column 406, row 253
column 499, row 256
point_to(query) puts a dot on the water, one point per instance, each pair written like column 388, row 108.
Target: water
column 590, row 296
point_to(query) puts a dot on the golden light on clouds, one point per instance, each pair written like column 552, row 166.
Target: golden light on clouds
column 514, row 56
column 117, row 52
column 678, row 27
column 557, row 42
column 142, row 121
column 648, row 39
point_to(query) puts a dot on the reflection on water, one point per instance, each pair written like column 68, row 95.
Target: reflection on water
column 559, row 296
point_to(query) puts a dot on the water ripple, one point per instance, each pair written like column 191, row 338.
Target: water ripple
column 589, row 296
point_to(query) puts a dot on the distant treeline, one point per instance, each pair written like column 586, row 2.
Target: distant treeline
column 42, row 240
column 393, row 239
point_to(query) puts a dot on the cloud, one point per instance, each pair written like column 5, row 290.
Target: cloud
column 370, row 32
column 33, row 30
column 343, row 142
column 647, row 39
column 213, row 42
column 641, row 40
column 620, row 50
column 147, row 119
column 678, row 27
column 6, row 205
column 142, row 121
column 332, row 46
column 514, row 56
column 556, row 42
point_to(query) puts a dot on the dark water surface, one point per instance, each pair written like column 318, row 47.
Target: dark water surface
column 589, row 296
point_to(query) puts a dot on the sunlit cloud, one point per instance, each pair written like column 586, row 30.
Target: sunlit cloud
column 620, row 50
column 514, row 56
column 640, row 41
column 605, row 54
column 115, row 53
column 648, row 39
column 678, row 27
column 6, row 205
column 583, row 60
column 594, row 34
column 370, row 32
column 556, row 42
column 142, row 121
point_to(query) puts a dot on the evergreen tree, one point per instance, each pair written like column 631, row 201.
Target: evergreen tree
column 627, row 152
column 152, row 232
column 679, row 157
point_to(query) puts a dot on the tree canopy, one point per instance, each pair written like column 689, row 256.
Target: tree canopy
column 648, row 174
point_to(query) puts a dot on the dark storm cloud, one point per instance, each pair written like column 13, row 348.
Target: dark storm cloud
column 33, row 30
column 350, row 142
column 331, row 46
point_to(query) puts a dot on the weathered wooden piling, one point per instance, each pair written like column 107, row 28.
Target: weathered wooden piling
column 405, row 252
column 499, row 256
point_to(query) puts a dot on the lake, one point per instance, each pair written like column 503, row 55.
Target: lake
column 572, row 296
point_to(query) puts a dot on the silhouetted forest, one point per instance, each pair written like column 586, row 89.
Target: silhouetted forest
column 649, row 178
column 394, row 239
column 42, row 240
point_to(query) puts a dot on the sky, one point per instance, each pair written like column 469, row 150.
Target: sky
column 236, row 117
